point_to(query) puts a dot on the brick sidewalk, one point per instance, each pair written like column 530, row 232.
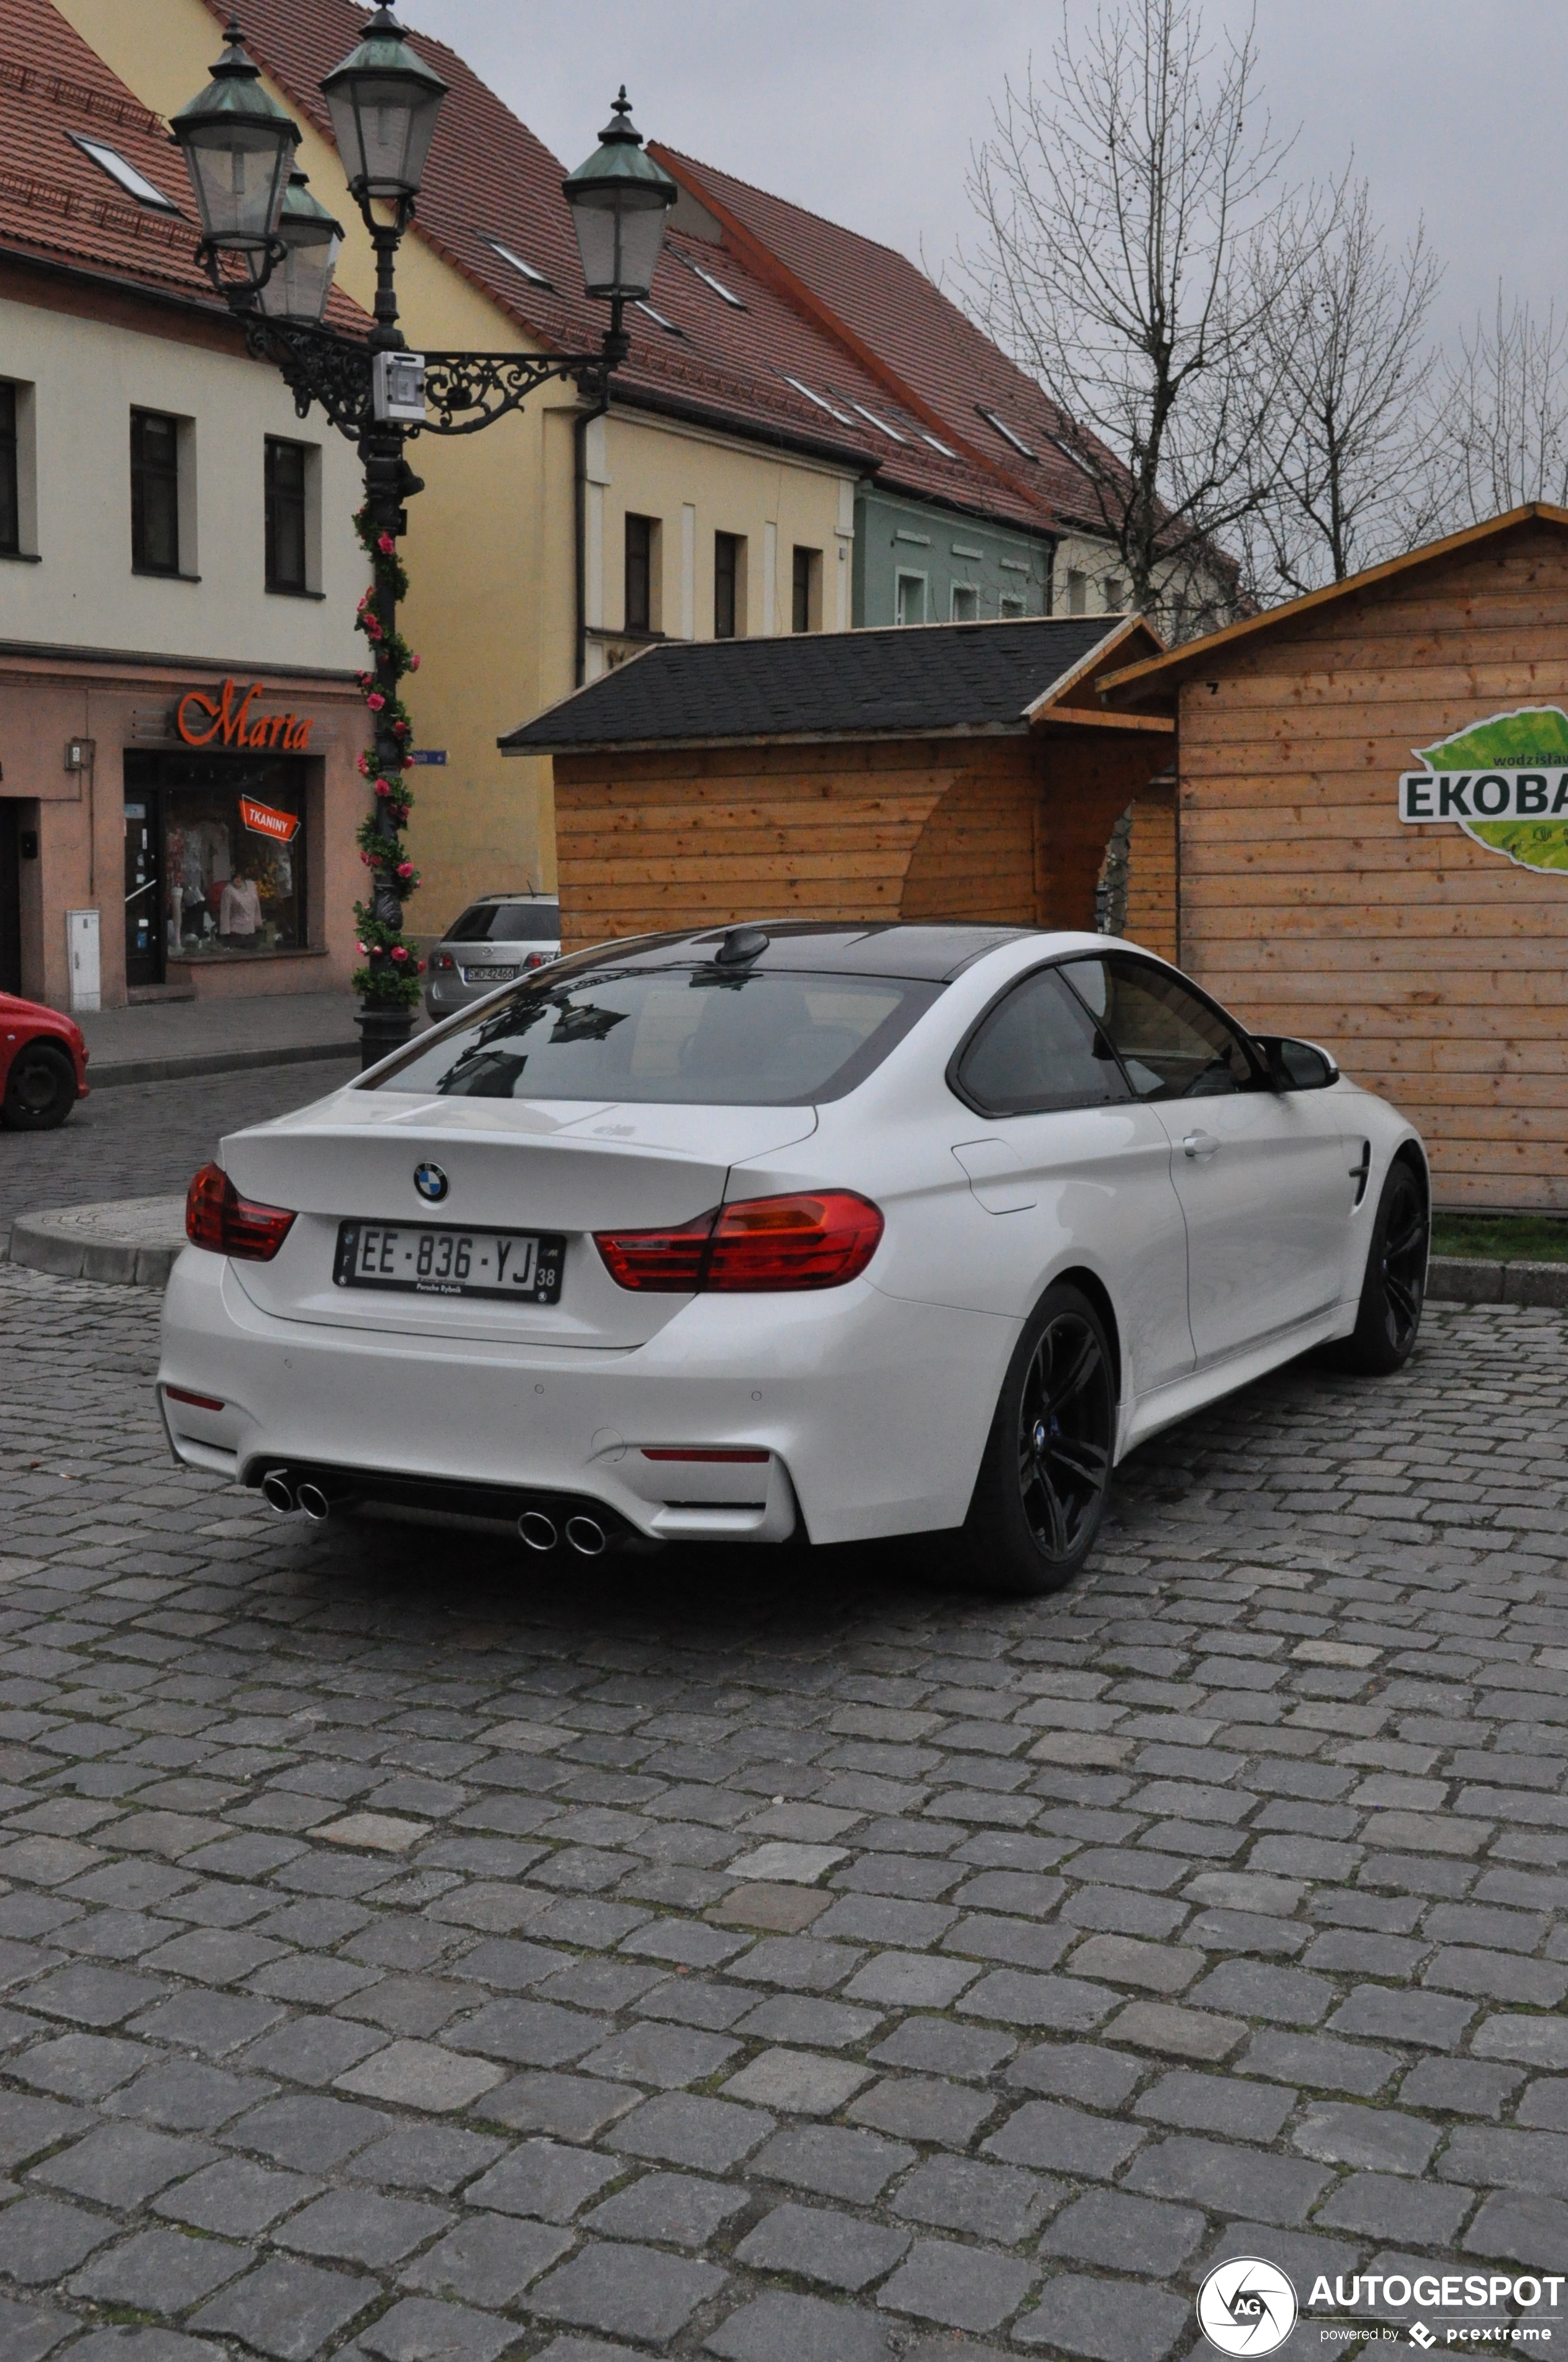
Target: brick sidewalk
column 775, row 1958
column 147, row 1139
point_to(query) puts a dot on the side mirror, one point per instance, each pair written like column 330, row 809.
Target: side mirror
column 1297, row 1065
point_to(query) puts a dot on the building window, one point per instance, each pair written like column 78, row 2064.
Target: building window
column 729, row 585
column 10, row 480
column 805, row 592
column 1077, row 591
column 1114, row 594
column 155, row 493
column 909, row 599
column 1010, row 609
column 224, row 844
column 640, row 537
column 966, row 603
column 288, row 485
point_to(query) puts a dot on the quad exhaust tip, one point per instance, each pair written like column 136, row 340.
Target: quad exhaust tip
column 538, row 1530
column 587, row 1536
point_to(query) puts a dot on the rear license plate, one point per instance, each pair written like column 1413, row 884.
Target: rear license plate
column 489, row 975
column 428, row 1259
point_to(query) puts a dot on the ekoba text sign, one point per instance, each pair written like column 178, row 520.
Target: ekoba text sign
column 1504, row 782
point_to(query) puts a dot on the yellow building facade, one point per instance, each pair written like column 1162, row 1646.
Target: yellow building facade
column 498, row 581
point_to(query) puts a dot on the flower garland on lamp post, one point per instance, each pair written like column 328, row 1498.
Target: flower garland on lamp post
column 270, row 250
column 388, row 981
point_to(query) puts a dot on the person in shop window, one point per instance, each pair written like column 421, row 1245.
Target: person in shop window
column 239, row 916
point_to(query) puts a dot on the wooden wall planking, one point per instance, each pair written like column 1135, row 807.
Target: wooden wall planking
column 1007, row 829
column 1154, row 875
column 1437, row 969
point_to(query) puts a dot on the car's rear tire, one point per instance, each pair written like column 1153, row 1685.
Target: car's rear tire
column 40, row 1090
column 1040, row 1493
column 1394, row 1288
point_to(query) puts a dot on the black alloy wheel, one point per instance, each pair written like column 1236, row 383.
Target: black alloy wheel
column 40, row 1090
column 1394, row 1290
column 1040, row 1493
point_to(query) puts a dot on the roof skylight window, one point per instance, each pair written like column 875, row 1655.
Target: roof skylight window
column 881, row 423
column 119, row 168
column 528, row 271
column 937, row 444
column 1006, row 433
column 725, row 294
column 668, row 326
column 821, row 401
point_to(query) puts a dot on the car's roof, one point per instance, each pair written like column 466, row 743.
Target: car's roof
column 512, row 897
column 933, row 953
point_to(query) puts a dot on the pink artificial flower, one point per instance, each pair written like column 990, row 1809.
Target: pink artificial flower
column 399, row 952
column 405, row 869
column 386, row 545
column 374, row 700
column 364, row 763
column 414, row 664
column 383, row 786
column 422, row 967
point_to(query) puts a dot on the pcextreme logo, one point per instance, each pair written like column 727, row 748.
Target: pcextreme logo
column 1504, row 782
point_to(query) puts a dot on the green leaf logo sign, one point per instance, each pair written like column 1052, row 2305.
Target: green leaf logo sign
column 1504, row 782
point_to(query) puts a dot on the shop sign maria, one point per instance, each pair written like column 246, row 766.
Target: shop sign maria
column 1504, row 782
column 226, row 720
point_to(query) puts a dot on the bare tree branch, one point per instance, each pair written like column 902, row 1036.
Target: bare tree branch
column 1134, row 239
column 1356, row 478
column 1504, row 429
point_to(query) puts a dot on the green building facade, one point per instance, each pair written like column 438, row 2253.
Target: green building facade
column 915, row 563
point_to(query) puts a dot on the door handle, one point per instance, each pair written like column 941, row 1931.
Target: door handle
column 1200, row 1145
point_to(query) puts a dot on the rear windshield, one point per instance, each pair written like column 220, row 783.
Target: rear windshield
column 508, row 922
column 693, row 1035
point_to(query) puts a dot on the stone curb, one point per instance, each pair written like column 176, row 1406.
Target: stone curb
column 57, row 1243
column 116, row 1072
column 1461, row 1279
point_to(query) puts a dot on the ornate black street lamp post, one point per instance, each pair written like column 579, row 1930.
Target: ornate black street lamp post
column 271, row 251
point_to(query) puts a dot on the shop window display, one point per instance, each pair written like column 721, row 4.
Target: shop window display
column 234, row 852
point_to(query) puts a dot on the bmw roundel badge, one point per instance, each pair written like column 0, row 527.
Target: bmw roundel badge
column 432, row 1182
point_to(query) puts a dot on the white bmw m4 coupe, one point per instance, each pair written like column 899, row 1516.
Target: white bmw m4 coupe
column 789, row 1230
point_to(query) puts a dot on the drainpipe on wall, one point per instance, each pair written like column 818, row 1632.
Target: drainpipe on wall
column 580, row 426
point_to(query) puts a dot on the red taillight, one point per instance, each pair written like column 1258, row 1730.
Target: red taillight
column 665, row 1263
column 218, row 1218
column 756, row 1247
column 197, row 1402
column 445, row 960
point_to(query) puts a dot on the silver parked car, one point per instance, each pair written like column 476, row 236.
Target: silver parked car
column 498, row 939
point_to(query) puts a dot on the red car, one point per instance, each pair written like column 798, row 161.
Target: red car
column 43, row 1065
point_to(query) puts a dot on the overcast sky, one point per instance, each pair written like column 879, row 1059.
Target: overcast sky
column 866, row 110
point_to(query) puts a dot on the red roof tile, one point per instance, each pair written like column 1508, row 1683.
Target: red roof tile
column 57, row 205
column 489, row 180
column 907, row 329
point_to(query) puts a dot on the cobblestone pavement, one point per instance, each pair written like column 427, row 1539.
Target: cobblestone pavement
column 143, row 1140
column 779, row 1960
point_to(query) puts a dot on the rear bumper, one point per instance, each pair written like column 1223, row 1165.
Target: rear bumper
column 873, row 1410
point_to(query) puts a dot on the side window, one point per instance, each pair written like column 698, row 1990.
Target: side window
column 1171, row 1043
column 1038, row 1050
